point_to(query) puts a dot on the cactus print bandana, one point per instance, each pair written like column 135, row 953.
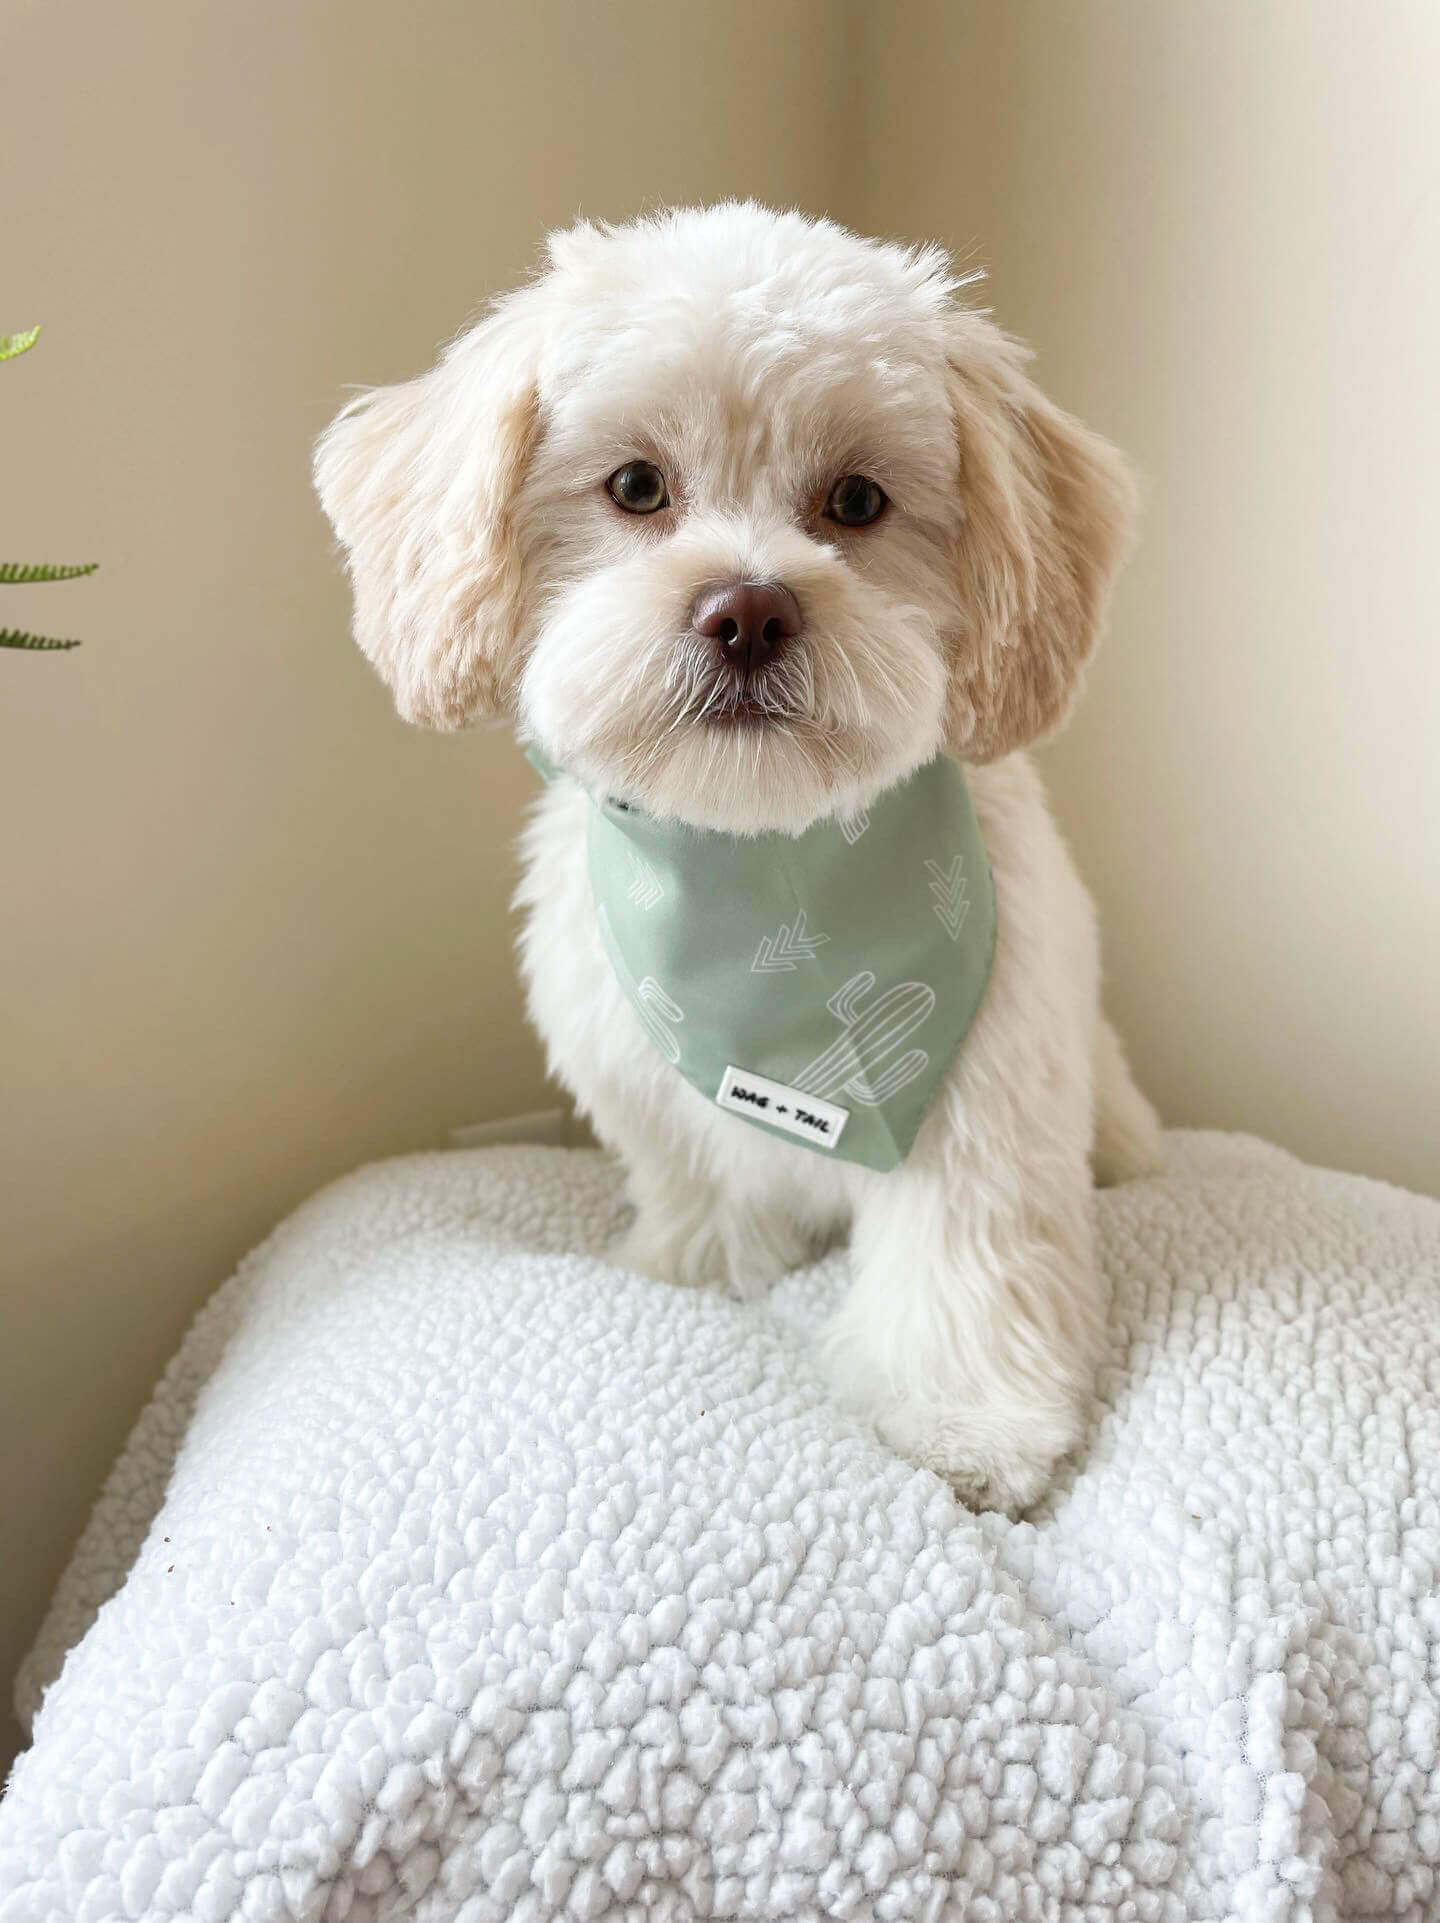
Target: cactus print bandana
column 817, row 985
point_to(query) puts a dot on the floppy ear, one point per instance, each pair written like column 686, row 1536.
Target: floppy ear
column 419, row 482
column 1048, row 509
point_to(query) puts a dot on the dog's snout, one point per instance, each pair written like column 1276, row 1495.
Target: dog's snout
column 749, row 621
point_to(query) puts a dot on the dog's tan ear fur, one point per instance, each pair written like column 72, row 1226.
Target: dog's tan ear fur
column 1048, row 509
column 419, row 482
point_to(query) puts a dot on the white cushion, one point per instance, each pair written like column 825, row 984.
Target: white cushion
column 454, row 1574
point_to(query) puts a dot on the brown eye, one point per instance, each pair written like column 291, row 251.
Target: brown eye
column 856, row 501
column 638, row 487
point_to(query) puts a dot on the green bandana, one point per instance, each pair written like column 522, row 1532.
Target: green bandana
column 819, row 985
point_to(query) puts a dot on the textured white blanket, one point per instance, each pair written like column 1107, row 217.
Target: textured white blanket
column 454, row 1575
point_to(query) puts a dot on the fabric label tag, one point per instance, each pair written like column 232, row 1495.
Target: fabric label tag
column 819, row 1123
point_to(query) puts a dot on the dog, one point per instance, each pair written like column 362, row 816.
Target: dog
column 912, row 552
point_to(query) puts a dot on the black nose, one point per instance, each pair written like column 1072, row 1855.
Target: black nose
column 749, row 621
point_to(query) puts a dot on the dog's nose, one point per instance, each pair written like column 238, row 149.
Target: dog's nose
column 749, row 621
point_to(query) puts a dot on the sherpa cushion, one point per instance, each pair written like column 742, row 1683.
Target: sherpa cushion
column 454, row 1574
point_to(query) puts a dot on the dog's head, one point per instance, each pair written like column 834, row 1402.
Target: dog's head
column 738, row 516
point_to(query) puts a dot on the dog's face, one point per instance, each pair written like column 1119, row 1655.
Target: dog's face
column 740, row 517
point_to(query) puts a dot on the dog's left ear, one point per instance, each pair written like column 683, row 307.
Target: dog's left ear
column 419, row 482
column 1047, row 509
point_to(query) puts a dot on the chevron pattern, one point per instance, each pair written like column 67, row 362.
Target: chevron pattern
column 950, row 895
column 783, row 952
column 646, row 889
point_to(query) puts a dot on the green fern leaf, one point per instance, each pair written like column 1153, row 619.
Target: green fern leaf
column 13, row 345
column 14, row 573
column 36, row 643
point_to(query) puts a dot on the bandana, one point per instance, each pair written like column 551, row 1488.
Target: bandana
column 817, row 985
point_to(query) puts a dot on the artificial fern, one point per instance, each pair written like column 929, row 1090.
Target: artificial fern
column 36, row 643
column 18, row 573
column 12, row 345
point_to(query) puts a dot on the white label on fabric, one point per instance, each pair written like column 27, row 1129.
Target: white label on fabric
column 819, row 1123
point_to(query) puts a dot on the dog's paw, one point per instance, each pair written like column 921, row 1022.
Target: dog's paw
column 695, row 1261
column 745, row 1254
column 995, row 1453
column 984, row 1473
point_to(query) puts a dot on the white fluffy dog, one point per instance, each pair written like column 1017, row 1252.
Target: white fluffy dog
column 732, row 396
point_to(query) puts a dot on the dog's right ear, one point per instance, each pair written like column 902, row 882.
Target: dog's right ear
column 419, row 482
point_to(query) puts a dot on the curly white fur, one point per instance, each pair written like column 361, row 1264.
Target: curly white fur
column 755, row 358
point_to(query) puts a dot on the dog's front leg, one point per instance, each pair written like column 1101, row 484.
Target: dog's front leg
column 676, row 1234
column 699, row 1236
column 742, row 1229
column 971, row 1330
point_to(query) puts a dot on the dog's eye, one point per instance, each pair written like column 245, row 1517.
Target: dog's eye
column 856, row 501
column 638, row 487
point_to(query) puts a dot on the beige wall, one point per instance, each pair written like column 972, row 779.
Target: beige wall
column 1218, row 224
column 255, row 931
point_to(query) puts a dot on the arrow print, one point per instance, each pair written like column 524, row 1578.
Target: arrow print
column 950, row 895
column 783, row 952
